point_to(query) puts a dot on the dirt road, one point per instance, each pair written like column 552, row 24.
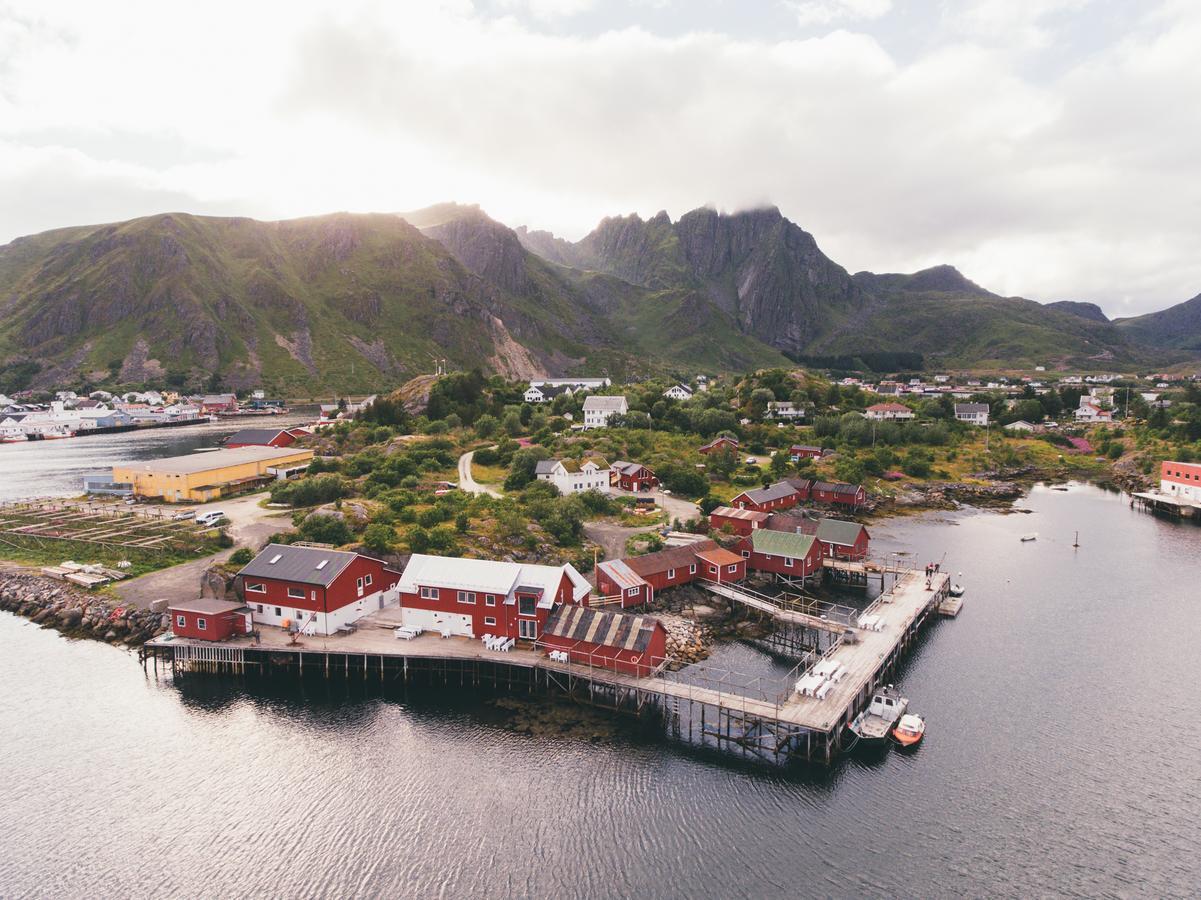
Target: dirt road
column 469, row 484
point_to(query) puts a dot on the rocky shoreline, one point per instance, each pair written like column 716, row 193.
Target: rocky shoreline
column 77, row 613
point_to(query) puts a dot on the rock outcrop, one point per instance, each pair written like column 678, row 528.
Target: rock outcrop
column 76, row 612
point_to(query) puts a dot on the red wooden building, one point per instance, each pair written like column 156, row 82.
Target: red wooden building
column 264, row 437
column 209, row 620
column 719, row 444
column 837, row 493
column 741, row 521
column 634, row 645
column 797, row 452
column 838, row 539
column 317, row 590
column 781, row 495
column 630, row 476
column 474, row 597
column 636, row 578
column 786, row 553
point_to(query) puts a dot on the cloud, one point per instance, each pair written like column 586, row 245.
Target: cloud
column 1074, row 182
column 826, row 12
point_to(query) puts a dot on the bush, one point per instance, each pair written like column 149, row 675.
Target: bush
column 378, row 538
column 241, row 556
column 310, row 491
column 325, row 530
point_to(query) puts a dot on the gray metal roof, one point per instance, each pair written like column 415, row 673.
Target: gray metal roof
column 777, row 491
column 545, row 466
column 254, row 436
column 289, row 563
column 597, row 626
column 604, row 404
column 971, row 408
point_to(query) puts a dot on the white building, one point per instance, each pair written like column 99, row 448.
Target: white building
column 1091, row 413
column 973, row 413
column 574, row 476
column 599, row 410
column 889, row 412
column 1181, row 479
column 546, row 392
column 784, row 410
column 1021, row 425
column 678, row 392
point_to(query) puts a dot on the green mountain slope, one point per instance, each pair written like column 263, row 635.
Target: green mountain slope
column 1178, row 327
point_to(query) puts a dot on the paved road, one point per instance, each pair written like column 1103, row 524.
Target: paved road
column 469, row 484
column 249, row 525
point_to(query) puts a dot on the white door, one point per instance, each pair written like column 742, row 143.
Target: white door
column 528, row 629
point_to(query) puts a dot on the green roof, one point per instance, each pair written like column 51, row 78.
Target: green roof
column 781, row 543
column 838, row 531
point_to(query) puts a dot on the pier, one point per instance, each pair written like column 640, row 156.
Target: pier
column 1179, row 507
column 754, row 717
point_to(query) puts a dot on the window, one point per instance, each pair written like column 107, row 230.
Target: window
column 692, row 569
column 734, row 568
column 527, row 606
column 490, row 600
column 367, row 580
column 428, row 593
column 359, row 583
column 489, row 620
column 260, row 607
column 787, row 562
column 671, row 573
column 201, row 624
column 257, row 588
column 278, row 611
column 632, row 592
column 714, row 570
column 466, row 597
column 296, row 593
column 528, row 630
column 181, row 621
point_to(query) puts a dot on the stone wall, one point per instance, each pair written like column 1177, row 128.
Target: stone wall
column 76, row 612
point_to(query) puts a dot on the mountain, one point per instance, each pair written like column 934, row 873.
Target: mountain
column 1177, row 327
column 1085, row 310
column 359, row 302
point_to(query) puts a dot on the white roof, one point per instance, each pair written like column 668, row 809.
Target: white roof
column 488, row 576
column 593, row 404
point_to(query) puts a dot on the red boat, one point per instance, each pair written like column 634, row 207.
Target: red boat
column 909, row 731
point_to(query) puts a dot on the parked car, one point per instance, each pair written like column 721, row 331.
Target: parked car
column 184, row 514
column 210, row 518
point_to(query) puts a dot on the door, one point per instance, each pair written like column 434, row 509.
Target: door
column 527, row 629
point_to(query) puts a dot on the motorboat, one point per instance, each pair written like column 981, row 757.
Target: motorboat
column 956, row 590
column 1032, row 536
column 873, row 725
column 909, row 731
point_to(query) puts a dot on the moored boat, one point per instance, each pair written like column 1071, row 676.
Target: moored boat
column 873, row 725
column 956, row 590
column 909, row 731
column 1032, row 536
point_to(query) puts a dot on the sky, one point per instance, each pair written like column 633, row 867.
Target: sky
column 1046, row 148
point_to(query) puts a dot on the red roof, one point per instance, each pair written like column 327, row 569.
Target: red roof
column 889, row 407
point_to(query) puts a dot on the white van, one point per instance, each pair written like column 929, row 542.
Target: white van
column 210, row 518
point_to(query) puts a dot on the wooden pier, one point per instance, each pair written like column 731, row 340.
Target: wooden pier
column 1178, row 507
column 753, row 717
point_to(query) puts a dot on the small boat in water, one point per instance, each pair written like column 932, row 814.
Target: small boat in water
column 874, row 724
column 1032, row 536
column 909, row 731
column 956, row 590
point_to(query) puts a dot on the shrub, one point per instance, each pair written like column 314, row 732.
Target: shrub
column 378, row 538
column 325, row 529
column 241, row 556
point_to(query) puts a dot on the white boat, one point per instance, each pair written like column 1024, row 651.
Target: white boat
column 1032, row 536
column 875, row 724
column 956, row 590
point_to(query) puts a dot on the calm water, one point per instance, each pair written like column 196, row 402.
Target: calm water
column 1063, row 758
column 56, row 468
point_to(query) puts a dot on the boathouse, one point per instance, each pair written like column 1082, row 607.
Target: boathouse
column 474, row 597
column 630, row 644
column 316, row 589
column 1181, row 480
column 786, row 553
column 264, row 437
column 635, row 579
column 839, row 539
column 780, row 495
column 741, row 521
column 207, row 619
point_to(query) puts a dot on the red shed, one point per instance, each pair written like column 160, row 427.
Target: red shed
column 718, row 444
column 742, row 521
column 209, row 620
column 787, row 553
column 780, row 495
column 843, row 540
column 797, row 452
column 621, row 642
column 318, row 589
column 630, row 476
column 852, row 495
column 263, row 437
column 720, row 565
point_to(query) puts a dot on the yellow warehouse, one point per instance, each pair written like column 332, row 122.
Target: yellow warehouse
column 200, row 477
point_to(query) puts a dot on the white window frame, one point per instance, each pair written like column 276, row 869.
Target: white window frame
column 633, row 592
column 714, row 570
column 692, row 569
column 278, row 612
column 256, row 587
column 367, row 580
column 490, row 620
column 201, row 624
column 467, row 597
column 671, row 573
column 731, row 569
column 181, row 621
column 527, row 629
column 429, row 593
column 746, row 554
column 490, row 599
column 295, row 593
column 359, row 583
column 788, row 562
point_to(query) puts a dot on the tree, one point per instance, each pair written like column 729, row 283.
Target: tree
column 723, row 463
column 378, row 538
column 241, row 556
column 486, row 425
column 521, row 471
column 780, row 463
column 511, row 423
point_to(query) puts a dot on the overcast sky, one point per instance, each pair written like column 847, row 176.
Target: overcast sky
column 1047, row 148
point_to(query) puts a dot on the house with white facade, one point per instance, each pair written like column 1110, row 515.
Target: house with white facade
column 784, row 410
column 1021, row 425
column 544, row 393
column 889, row 412
column 972, row 413
column 598, row 410
column 572, row 476
column 678, row 392
column 1091, row 414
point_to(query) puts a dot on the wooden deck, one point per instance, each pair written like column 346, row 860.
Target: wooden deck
column 774, row 608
